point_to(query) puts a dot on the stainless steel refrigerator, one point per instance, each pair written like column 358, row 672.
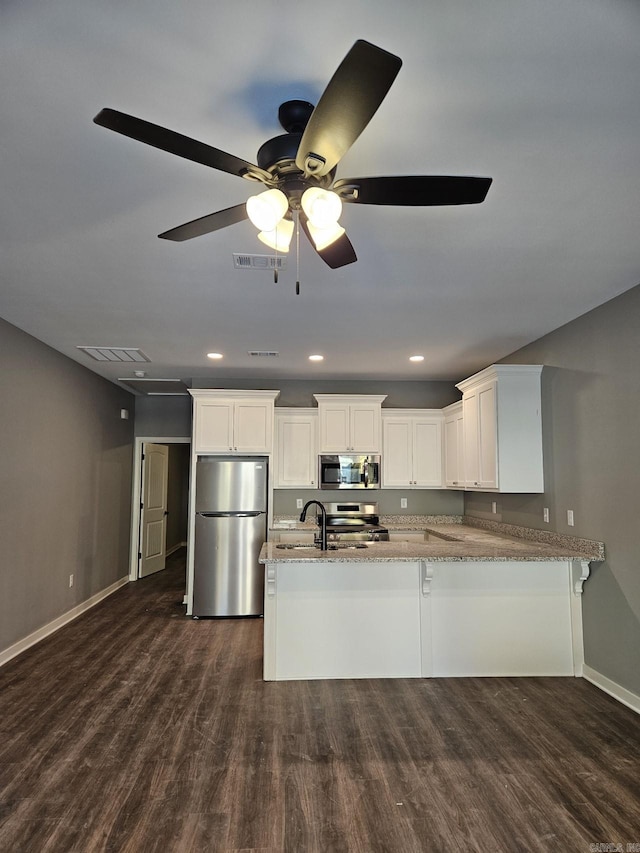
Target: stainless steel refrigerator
column 231, row 525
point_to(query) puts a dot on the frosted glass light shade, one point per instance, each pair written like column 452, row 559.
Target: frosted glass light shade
column 323, row 208
column 267, row 209
column 278, row 238
column 324, row 237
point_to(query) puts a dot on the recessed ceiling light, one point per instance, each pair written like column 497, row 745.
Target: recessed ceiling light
column 416, row 358
column 316, row 358
column 214, row 355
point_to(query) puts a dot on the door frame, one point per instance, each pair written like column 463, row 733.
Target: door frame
column 136, row 493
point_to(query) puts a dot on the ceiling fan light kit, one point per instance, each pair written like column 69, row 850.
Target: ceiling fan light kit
column 323, row 207
column 324, row 237
column 279, row 238
column 298, row 167
column 267, row 209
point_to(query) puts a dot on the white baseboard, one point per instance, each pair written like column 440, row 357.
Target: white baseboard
column 56, row 624
column 631, row 700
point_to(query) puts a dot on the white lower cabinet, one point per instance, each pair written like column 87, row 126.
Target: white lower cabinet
column 412, row 448
column 403, row 619
column 296, row 454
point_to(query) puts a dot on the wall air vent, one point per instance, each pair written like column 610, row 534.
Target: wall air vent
column 263, row 353
column 258, row 262
column 116, row 354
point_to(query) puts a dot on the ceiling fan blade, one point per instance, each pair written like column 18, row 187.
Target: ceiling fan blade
column 176, row 143
column 413, row 190
column 338, row 254
column 346, row 106
column 206, row 224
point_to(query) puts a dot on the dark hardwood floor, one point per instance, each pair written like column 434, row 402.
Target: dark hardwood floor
column 137, row 729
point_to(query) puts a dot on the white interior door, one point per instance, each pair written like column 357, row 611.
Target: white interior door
column 153, row 513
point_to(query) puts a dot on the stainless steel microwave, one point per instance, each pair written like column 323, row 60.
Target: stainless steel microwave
column 349, row 471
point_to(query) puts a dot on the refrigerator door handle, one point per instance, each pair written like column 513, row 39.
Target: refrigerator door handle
column 231, row 514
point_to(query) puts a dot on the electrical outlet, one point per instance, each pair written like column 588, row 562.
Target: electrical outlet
column 570, row 517
column 545, row 514
column 403, row 503
column 494, row 507
column 299, row 503
column 70, row 581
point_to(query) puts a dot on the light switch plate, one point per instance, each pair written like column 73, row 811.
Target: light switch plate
column 545, row 514
column 403, row 503
column 299, row 503
column 570, row 517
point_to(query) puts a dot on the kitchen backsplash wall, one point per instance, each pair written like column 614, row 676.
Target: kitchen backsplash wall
column 419, row 501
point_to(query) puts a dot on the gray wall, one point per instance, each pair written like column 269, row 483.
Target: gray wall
column 65, row 470
column 163, row 417
column 591, row 417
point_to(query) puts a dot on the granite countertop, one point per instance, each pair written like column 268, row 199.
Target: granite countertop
column 458, row 540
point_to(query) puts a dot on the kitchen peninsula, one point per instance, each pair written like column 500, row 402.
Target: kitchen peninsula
column 468, row 600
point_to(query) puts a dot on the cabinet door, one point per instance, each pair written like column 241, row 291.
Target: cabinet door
column 334, row 428
column 253, row 427
column 213, row 426
column 427, row 453
column 453, row 451
column 364, row 428
column 470, row 433
column 487, row 437
column 396, row 458
column 296, row 451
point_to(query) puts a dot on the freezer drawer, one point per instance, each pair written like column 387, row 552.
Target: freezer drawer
column 228, row 580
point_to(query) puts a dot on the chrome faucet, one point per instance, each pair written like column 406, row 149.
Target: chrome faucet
column 323, row 526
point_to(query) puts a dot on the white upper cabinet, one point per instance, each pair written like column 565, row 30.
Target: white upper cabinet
column 412, row 448
column 296, row 453
column 233, row 421
column 454, row 477
column 349, row 424
column 502, row 429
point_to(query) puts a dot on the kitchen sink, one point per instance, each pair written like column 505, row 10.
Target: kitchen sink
column 434, row 535
column 333, row 546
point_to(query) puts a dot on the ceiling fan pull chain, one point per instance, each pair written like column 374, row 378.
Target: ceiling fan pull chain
column 297, row 253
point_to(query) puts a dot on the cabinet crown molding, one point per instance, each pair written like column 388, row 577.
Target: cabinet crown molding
column 494, row 371
column 233, row 394
column 346, row 398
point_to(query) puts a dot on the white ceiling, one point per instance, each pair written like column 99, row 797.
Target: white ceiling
column 541, row 95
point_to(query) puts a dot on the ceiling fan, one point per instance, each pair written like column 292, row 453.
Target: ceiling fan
column 298, row 168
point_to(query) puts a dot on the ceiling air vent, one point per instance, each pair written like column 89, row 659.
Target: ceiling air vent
column 258, row 262
column 263, row 353
column 118, row 354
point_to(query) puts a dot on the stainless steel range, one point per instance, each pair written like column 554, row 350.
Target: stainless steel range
column 351, row 521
